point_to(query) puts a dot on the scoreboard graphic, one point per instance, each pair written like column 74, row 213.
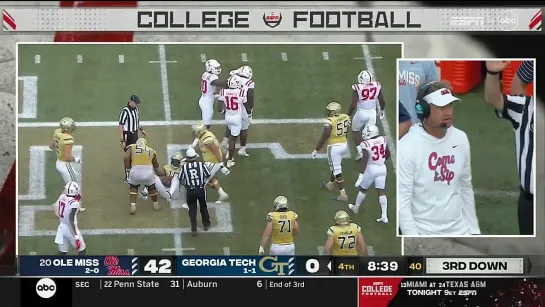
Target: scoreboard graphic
column 287, row 266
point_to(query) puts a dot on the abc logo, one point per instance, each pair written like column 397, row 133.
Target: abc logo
column 46, row 288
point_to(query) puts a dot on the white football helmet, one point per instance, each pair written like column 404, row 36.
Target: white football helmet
column 234, row 82
column 370, row 131
column 365, row 76
column 212, row 66
column 71, row 189
column 243, row 71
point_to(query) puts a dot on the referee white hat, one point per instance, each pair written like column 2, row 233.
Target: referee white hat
column 190, row 153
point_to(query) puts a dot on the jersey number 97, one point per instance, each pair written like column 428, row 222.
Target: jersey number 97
column 342, row 127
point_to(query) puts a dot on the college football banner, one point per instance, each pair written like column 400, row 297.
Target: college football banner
column 262, row 20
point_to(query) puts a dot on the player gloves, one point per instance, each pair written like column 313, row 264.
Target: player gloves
column 314, row 153
column 78, row 242
column 261, row 250
column 358, row 181
column 381, row 115
column 77, row 159
column 224, row 170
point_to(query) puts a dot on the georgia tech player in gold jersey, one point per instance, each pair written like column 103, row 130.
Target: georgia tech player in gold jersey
column 165, row 175
column 210, row 148
column 63, row 142
column 344, row 238
column 282, row 225
column 140, row 167
column 334, row 133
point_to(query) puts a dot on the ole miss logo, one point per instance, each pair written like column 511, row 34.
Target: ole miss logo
column 272, row 20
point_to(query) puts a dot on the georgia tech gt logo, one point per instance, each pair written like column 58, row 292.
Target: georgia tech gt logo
column 270, row 264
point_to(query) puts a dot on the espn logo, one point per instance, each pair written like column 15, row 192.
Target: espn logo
column 46, row 288
column 467, row 21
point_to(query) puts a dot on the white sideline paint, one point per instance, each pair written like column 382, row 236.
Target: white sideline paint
column 37, row 59
column 30, row 96
column 276, row 150
column 385, row 126
column 325, row 55
column 244, row 57
column 36, row 173
column 284, row 56
column 224, row 224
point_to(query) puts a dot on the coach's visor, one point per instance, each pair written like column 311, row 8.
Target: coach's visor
column 441, row 97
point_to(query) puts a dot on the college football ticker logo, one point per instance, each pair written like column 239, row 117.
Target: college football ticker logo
column 272, row 20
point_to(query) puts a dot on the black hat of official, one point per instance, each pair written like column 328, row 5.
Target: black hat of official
column 135, row 98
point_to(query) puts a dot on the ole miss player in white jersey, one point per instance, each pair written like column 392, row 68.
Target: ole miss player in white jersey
column 209, row 83
column 234, row 105
column 245, row 78
column 365, row 95
column 375, row 152
column 66, row 209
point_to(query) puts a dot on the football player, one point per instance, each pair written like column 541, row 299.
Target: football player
column 209, row 83
column 140, row 168
column 334, row 133
column 165, row 175
column 366, row 99
column 66, row 208
column 210, row 148
column 375, row 152
column 344, row 238
column 245, row 73
column 282, row 225
column 63, row 142
column 234, row 101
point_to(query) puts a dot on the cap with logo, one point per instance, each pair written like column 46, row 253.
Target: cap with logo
column 424, row 98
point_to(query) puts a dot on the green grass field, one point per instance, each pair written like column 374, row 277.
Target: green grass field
column 91, row 83
column 493, row 163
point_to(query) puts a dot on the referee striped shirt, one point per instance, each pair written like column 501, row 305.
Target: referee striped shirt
column 194, row 174
column 130, row 119
column 519, row 110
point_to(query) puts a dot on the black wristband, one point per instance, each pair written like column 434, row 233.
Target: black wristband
column 493, row 73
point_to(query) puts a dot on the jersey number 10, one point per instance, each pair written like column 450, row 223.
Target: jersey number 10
column 231, row 103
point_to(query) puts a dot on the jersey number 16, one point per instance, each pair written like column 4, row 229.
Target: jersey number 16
column 231, row 103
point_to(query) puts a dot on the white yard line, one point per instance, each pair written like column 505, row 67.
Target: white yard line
column 325, row 55
column 30, row 96
column 164, row 82
column 385, row 126
column 284, row 56
column 160, row 62
column 37, row 59
column 178, row 245
column 372, row 58
column 121, row 59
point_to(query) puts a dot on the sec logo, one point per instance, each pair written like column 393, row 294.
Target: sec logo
column 46, row 288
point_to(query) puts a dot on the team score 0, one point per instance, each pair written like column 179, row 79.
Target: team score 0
column 347, row 242
column 369, row 93
column 379, row 152
column 231, row 103
column 342, row 127
column 161, row 266
column 383, row 266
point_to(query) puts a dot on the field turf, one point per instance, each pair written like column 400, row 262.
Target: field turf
column 91, row 83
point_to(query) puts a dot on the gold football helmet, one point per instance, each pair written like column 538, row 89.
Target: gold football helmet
column 280, row 202
column 176, row 160
column 67, row 125
column 332, row 109
column 199, row 129
column 342, row 218
column 142, row 142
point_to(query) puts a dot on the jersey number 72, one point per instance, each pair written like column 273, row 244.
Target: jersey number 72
column 347, row 242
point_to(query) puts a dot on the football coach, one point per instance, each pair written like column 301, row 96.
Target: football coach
column 519, row 111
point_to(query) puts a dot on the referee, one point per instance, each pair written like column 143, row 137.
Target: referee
column 194, row 175
column 519, row 111
column 129, row 122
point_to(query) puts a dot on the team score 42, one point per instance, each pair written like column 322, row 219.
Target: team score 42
column 379, row 152
column 369, row 93
column 158, row 266
column 285, row 226
column 143, row 150
column 342, row 127
column 231, row 103
column 347, row 242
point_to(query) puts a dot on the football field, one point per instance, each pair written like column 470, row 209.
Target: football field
column 91, row 83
